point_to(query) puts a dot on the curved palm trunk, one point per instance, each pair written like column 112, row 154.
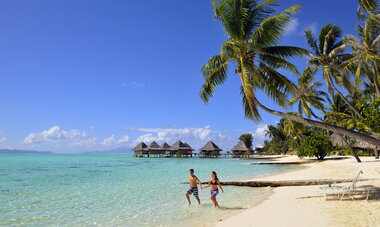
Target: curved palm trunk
column 342, row 96
column 318, row 124
column 341, row 137
column 349, row 147
column 375, row 80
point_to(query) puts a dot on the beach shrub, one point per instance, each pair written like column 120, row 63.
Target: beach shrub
column 317, row 144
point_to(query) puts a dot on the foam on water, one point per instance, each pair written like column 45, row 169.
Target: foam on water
column 119, row 190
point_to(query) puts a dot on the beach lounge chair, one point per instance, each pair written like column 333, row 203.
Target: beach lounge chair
column 341, row 191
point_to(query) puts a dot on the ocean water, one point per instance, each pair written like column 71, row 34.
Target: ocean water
column 119, row 190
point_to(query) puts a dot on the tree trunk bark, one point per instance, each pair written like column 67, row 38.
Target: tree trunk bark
column 349, row 147
column 375, row 80
column 318, row 124
column 342, row 96
column 376, row 153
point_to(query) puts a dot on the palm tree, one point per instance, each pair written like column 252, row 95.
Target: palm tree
column 253, row 49
column 308, row 95
column 366, row 52
column 294, row 130
column 328, row 54
column 337, row 113
column 367, row 8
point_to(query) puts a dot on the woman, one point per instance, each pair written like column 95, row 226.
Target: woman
column 214, row 183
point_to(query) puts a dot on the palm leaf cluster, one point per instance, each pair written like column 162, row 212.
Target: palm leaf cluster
column 252, row 52
column 252, row 49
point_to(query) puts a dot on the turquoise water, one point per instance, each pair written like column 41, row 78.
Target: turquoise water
column 118, row 190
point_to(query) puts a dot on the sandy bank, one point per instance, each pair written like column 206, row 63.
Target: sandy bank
column 300, row 206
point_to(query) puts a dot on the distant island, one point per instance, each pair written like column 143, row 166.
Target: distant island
column 9, row 151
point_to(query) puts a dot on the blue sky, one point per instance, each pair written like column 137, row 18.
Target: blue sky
column 98, row 75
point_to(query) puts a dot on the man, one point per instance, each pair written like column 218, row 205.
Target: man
column 193, row 187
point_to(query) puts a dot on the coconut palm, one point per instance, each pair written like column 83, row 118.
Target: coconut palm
column 367, row 8
column 338, row 113
column 328, row 54
column 294, row 130
column 366, row 53
column 308, row 94
column 252, row 48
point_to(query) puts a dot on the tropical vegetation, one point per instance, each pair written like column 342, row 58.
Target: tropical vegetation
column 349, row 65
column 247, row 139
column 316, row 144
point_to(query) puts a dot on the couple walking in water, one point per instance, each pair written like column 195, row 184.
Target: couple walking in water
column 213, row 182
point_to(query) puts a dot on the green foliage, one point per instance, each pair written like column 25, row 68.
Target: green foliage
column 317, row 144
column 371, row 114
column 253, row 51
column 280, row 141
column 247, row 139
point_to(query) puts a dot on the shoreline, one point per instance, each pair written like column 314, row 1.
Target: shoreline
column 300, row 206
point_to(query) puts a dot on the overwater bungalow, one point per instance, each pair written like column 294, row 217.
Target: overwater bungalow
column 209, row 150
column 154, row 150
column 140, row 150
column 165, row 147
column 241, row 150
column 181, row 149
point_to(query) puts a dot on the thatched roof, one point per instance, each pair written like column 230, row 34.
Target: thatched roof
column 165, row 146
column 179, row 145
column 210, row 146
column 337, row 140
column 366, row 145
column 240, row 146
column 153, row 146
column 140, row 147
column 187, row 146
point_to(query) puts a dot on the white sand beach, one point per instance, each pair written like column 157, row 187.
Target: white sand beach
column 301, row 205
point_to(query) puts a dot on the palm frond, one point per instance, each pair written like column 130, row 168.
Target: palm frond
column 214, row 73
column 268, row 33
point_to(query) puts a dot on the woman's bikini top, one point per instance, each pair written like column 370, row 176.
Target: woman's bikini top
column 214, row 183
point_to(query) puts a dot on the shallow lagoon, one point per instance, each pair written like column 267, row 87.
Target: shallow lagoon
column 115, row 189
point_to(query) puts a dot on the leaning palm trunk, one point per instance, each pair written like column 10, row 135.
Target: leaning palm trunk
column 349, row 147
column 342, row 96
column 318, row 124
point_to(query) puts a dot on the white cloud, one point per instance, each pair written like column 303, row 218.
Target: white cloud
column 76, row 138
column 3, row 139
column 196, row 137
column 54, row 133
column 96, row 143
column 312, row 27
column 112, row 141
column 136, row 84
column 292, row 26
column 259, row 135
